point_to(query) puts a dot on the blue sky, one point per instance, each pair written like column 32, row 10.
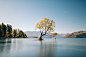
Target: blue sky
column 69, row 15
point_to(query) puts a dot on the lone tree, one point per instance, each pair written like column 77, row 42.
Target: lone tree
column 46, row 26
column 54, row 34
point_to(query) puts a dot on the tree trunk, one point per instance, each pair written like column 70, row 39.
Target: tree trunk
column 40, row 37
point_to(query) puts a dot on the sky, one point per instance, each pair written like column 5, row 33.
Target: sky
column 69, row 15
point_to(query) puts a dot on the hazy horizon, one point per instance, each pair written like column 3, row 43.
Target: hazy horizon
column 56, row 32
column 69, row 15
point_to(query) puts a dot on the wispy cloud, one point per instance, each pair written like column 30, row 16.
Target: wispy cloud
column 65, row 11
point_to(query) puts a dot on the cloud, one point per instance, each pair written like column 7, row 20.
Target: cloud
column 65, row 11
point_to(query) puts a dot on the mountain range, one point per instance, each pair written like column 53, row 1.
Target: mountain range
column 78, row 34
column 37, row 34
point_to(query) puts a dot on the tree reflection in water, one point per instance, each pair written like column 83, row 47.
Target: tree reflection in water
column 5, row 40
column 4, row 46
column 25, row 48
column 47, row 49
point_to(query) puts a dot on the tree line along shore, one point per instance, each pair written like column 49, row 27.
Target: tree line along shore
column 7, row 31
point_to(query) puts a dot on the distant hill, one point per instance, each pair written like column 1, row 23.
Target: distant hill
column 37, row 34
column 78, row 34
column 63, row 34
column 32, row 33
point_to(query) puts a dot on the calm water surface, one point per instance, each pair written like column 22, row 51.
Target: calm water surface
column 29, row 47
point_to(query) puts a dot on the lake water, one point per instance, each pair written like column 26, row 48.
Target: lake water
column 29, row 47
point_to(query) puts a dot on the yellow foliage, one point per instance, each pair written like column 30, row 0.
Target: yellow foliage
column 49, row 24
column 54, row 34
column 42, row 20
column 45, row 18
